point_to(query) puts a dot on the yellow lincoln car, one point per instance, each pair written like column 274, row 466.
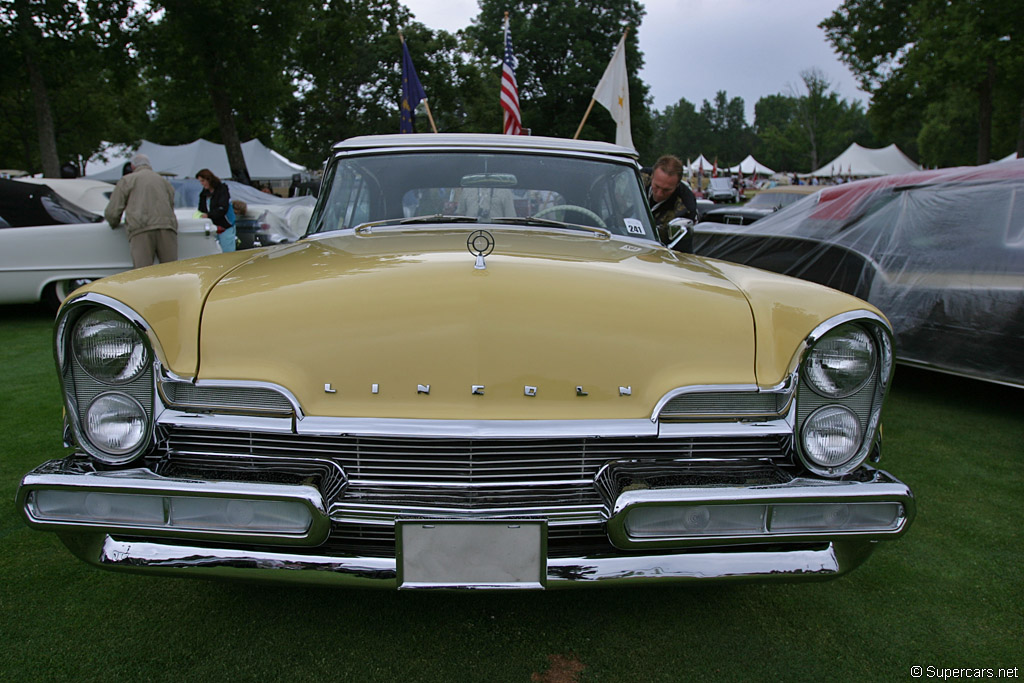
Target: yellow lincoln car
column 478, row 369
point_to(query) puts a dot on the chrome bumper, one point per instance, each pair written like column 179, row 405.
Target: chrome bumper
column 827, row 562
column 218, row 550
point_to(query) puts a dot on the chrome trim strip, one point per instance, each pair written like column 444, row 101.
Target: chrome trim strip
column 782, row 426
column 828, row 561
column 786, row 386
column 167, row 377
column 476, row 429
column 479, row 429
column 217, row 421
column 883, row 487
column 76, row 302
column 586, row 149
column 384, row 515
column 143, row 481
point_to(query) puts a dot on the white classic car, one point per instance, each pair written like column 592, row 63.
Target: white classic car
column 50, row 246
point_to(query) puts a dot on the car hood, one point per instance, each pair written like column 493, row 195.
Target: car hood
column 402, row 325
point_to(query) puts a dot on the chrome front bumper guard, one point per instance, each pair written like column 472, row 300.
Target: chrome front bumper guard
column 185, row 552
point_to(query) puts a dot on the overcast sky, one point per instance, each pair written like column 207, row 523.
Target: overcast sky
column 694, row 48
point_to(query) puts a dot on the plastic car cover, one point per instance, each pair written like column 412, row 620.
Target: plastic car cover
column 940, row 252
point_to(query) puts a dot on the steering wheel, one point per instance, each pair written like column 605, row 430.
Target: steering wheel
column 572, row 207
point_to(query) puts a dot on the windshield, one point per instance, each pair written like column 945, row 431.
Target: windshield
column 481, row 187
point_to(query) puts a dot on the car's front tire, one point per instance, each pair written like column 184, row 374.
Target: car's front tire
column 56, row 292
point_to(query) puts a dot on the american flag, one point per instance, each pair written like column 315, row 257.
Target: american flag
column 509, row 90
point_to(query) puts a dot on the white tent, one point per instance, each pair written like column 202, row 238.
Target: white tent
column 184, row 161
column 863, row 162
column 750, row 166
column 701, row 163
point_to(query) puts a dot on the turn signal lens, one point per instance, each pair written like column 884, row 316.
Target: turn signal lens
column 695, row 520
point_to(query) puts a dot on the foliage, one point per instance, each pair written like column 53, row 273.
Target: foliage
column 301, row 75
column 948, row 73
column 679, row 130
column 65, row 86
column 347, row 64
column 228, row 54
column 563, row 49
column 801, row 131
column 729, row 138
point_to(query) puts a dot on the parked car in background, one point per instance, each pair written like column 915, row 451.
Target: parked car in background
column 940, row 252
column 261, row 220
column 50, row 246
column 497, row 378
column 91, row 195
column 721, row 190
column 764, row 203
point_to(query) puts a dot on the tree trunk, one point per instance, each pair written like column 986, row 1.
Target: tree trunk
column 1020, row 133
column 985, row 113
column 228, row 132
column 40, row 98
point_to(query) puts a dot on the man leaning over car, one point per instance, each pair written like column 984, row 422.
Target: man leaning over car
column 147, row 201
column 669, row 196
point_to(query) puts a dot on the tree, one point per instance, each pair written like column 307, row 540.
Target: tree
column 800, row 131
column 352, row 86
column 679, row 130
column 728, row 137
column 924, row 60
column 64, row 80
column 563, row 49
column 231, row 53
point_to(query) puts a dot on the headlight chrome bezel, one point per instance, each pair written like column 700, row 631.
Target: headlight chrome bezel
column 863, row 398
column 83, row 385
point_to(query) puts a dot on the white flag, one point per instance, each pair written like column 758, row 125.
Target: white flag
column 613, row 93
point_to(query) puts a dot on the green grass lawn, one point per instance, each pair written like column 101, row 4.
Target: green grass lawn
column 949, row 594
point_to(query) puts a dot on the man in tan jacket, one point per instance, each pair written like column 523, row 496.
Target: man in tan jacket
column 147, row 201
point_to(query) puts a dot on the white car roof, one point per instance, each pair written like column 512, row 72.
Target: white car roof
column 481, row 140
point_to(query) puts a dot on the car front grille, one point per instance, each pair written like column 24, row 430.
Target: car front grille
column 369, row 482
column 456, row 473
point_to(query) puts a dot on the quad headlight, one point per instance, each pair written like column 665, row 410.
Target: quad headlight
column 115, row 423
column 106, row 365
column 843, row 378
column 109, row 347
column 841, row 362
column 831, row 435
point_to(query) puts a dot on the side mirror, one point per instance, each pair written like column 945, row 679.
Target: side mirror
column 680, row 234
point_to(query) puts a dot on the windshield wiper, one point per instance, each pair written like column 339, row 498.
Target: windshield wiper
column 366, row 228
column 437, row 218
column 548, row 223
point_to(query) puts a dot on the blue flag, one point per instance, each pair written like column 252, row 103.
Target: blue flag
column 412, row 91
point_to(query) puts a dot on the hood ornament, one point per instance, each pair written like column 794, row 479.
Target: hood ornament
column 480, row 244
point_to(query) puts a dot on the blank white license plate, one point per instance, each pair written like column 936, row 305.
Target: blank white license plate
column 471, row 554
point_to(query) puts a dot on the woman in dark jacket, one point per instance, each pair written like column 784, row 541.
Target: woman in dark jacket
column 215, row 204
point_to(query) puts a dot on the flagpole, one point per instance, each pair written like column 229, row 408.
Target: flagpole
column 592, row 100
column 425, row 103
